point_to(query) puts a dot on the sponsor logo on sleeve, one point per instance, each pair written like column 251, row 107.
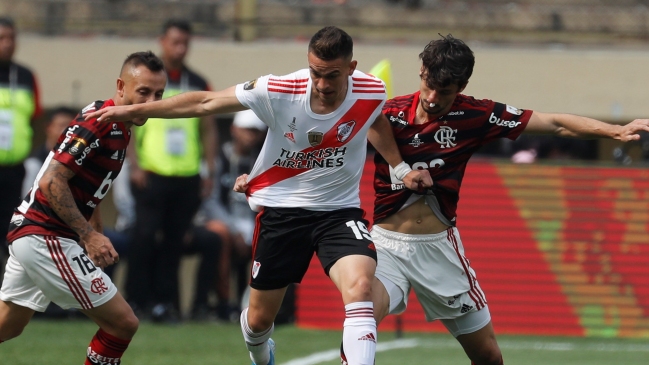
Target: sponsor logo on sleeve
column 513, row 110
column 502, row 123
column 77, row 146
column 68, row 136
column 250, row 85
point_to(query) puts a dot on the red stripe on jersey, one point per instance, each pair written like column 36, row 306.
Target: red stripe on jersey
column 67, row 274
column 368, row 91
column 359, row 112
column 291, row 81
column 366, row 85
column 290, row 86
column 289, row 91
column 365, row 79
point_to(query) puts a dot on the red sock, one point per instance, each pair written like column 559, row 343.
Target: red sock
column 105, row 349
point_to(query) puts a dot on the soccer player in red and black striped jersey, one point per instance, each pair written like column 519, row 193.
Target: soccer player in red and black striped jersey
column 438, row 129
column 55, row 235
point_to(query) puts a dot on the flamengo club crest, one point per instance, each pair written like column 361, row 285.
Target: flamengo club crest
column 345, row 130
column 315, row 138
column 444, row 136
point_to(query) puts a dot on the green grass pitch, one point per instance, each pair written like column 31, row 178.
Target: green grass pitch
column 64, row 342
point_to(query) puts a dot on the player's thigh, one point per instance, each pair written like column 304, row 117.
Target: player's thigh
column 392, row 258
column 444, row 282
column 342, row 233
column 17, row 285
column 283, row 248
column 62, row 271
column 263, row 307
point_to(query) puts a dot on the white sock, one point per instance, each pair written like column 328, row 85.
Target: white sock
column 257, row 343
column 359, row 333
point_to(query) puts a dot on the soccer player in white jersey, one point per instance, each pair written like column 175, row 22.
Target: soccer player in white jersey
column 418, row 246
column 305, row 182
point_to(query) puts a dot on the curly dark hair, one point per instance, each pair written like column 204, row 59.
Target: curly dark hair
column 447, row 61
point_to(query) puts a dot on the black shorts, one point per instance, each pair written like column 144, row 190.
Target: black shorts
column 286, row 238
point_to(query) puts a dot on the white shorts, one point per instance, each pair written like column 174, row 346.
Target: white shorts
column 434, row 266
column 41, row 269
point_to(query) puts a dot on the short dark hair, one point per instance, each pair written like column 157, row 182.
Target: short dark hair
column 148, row 59
column 331, row 43
column 181, row 24
column 6, row 21
column 447, row 60
column 62, row 109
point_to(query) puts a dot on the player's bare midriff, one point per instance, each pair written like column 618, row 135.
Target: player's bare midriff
column 415, row 219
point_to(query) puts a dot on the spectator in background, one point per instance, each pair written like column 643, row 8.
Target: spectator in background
column 19, row 106
column 167, row 186
column 197, row 241
column 228, row 214
column 58, row 119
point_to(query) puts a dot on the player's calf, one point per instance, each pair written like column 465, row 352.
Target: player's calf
column 105, row 349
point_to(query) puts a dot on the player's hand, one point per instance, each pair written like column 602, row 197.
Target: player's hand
column 241, row 185
column 100, row 249
column 630, row 131
column 418, row 180
column 111, row 114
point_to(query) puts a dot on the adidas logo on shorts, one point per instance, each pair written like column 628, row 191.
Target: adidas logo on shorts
column 466, row 308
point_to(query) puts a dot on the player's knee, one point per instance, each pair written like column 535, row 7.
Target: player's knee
column 361, row 290
column 259, row 322
column 489, row 356
column 128, row 325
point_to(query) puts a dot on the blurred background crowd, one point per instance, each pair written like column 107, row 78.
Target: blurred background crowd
column 162, row 213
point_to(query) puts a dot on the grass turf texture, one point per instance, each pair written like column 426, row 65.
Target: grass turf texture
column 65, row 342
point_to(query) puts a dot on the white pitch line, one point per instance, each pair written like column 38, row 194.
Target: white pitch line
column 320, row 357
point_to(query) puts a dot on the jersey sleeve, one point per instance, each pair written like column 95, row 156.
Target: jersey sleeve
column 506, row 121
column 78, row 143
column 254, row 96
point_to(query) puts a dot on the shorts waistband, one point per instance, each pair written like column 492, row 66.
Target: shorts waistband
column 428, row 238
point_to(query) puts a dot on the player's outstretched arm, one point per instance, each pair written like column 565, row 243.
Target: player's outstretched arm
column 575, row 126
column 54, row 185
column 186, row 105
column 381, row 137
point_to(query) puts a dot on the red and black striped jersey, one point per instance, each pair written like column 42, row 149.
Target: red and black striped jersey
column 443, row 147
column 95, row 153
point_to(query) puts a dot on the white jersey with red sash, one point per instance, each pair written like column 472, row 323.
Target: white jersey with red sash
column 311, row 161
